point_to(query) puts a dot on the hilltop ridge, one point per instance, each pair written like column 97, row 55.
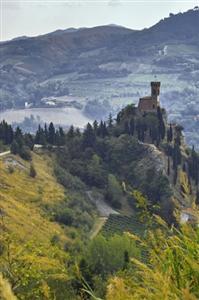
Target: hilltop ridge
column 79, row 192
column 116, row 65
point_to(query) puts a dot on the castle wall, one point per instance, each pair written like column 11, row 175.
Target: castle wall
column 148, row 104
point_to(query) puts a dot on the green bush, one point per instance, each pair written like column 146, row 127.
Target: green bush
column 33, row 172
column 67, row 180
column 64, row 216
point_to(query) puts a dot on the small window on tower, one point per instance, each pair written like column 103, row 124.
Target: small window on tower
column 153, row 105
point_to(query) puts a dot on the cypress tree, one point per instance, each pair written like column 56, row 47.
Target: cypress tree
column 126, row 259
column 161, row 124
column 168, row 166
column 170, row 134
column 46, row 131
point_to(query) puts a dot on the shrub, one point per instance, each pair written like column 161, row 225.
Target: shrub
column 33, row 172
column 55, row 239
column 67, row 180
column 25, row 153
column 11, row 169
column 64, row 216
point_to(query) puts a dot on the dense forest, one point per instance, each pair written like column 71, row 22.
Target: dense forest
column 142, row 168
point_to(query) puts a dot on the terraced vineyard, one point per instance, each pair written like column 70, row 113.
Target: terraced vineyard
column 119, row 224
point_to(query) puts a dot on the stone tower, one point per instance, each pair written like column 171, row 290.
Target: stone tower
column 155, row 91
column 150, row 103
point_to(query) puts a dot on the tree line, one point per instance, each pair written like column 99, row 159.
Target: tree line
column 94, row 142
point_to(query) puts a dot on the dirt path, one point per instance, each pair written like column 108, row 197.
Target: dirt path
column 97, row 226
column 4, row 153
column 104, row 211
column 103, row 208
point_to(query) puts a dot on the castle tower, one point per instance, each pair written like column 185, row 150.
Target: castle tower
column 155, row 91
column 150, row 103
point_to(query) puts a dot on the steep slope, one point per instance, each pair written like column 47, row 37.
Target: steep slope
column 138, row 164
column 33, row 246
column 22, row 198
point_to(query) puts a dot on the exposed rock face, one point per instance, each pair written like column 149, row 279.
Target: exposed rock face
column 153, row 158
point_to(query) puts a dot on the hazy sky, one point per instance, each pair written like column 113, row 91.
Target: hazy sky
column 41, row 16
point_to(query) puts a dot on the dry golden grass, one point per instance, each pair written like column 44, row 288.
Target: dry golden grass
column 5, row 290
column 22, row 199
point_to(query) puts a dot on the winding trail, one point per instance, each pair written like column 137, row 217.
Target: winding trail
column 104, row 210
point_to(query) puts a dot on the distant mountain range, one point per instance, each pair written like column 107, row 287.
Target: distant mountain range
column 113, row 61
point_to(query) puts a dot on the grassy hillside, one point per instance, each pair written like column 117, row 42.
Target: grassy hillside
column 23, row 198
column 32, row 245
column 137, row 168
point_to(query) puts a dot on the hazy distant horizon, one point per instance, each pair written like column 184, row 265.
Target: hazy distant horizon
column 33, row 17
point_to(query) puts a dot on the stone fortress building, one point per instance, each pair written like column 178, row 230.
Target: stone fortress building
column 150, row 103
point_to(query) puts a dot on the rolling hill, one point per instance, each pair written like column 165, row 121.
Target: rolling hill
column 108, row 63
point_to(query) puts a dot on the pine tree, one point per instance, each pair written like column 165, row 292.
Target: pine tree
column 88, row 136
column 18, row 133
column 95, row 126
column 110, row 121
column 71, row 133
column 51, row 134
column 61, row 136
column 102, row 130
column 105, row 131
column 40, row 137
column 6, row 133
column 14, row 148
column 77, row 132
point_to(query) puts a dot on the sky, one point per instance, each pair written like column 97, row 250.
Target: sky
column 35, row 17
